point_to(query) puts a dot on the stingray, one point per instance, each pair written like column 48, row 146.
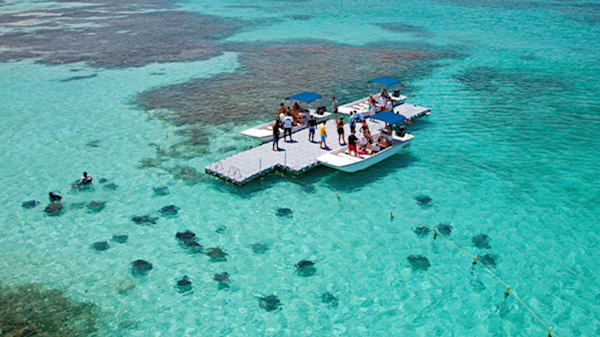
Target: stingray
column 477, row 285
column 54, row 209
column 284, row 212
column 30, row 204
column 100, row 245
column 140, row 267
column 103, row 180
column 444, row 229
column 329, row 299
column 185, row 236
column 421, row 231
column 161, row 191
column 120, row 238
column 259, row 248
column 489, row 260
column 269, row 303
column 221, row 229
column 481, row 241
column 170, row 210
column 424, row 201
column 216, row 254
column 96, row 206
column 144, row 220
column 93, row 143
column 111, row 187
column 78, row 205
column 418, row 262
column 223, row 279
column 306, row 268
column 193, row 246
column 184, row 284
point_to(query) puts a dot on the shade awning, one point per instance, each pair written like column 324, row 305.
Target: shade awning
column 305, row 96
column 389, row 81
column 389, row 117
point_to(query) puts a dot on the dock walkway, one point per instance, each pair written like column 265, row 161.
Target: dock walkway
column 296, row 157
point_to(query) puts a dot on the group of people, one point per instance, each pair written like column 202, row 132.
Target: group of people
column 83, row 181
column 288, row 118
column 365, row 145
column 383, row 103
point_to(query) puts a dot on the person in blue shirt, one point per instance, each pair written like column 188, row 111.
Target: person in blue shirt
column 352, row 121
column 54, row 197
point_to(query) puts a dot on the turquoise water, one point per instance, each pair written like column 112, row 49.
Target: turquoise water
column 510, row 151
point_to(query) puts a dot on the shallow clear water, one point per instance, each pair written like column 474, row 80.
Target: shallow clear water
column 510, row 150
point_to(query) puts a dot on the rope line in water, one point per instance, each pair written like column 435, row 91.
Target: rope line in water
column 453, row 243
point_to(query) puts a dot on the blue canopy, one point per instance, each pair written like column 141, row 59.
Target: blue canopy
column 305, row 96
column 389, row 117
column 389, row 81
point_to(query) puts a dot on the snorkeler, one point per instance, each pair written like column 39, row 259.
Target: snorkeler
column 85, row 180
column 54, row 197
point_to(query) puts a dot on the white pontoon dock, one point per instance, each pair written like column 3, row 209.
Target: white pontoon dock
column 296, row 158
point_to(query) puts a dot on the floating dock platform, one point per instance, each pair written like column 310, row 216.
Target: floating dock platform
column 294, row 157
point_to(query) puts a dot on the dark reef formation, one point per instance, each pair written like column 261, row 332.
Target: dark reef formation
column 34, row 310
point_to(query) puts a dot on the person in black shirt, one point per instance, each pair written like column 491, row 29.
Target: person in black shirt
column 312, row 126
column 276, row 135
column 352, row 144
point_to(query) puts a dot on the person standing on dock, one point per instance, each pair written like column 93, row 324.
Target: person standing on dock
column 352, row 121
column 323, row 143
column 312, row 126
column 288, row 121
column 281, row 112
column 388, row 105
column 334, row 107
column 352, row 144
column 340, row 130
column 276, row 135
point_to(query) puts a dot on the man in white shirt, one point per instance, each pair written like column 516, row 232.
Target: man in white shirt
column 288, row 121
column 381, row 102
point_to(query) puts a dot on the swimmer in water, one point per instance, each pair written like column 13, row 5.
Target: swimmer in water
column 54, row 197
